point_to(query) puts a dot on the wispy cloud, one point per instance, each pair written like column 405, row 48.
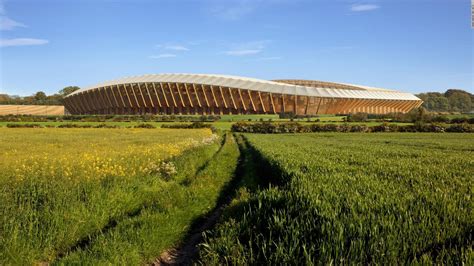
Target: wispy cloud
column 175, row 47
column 242, row 52
column 364, row 7
column 248, row 48
column 9, row 24
column 22, row 42
column 162, row 56
column 233, row 10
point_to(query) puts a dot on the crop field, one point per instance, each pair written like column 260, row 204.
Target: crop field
column 133, row 196
column 351, row 198
column 63, row 191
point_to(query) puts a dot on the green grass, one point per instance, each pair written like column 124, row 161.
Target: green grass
column 61, row 188
column 163, row 223
column 352, row 198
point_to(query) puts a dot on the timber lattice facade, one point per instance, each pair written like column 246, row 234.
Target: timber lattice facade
column 201, row 98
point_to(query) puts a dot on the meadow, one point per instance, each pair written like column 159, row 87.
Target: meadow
column 62, row 190
column 129, row 195
column 332, row 198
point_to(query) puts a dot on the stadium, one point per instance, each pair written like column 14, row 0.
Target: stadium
column 223, row 94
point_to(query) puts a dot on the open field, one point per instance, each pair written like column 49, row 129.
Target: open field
column 63, row 190
column 130, row 195
column 338, row 198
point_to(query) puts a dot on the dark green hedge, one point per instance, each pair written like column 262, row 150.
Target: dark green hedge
column 292, row 127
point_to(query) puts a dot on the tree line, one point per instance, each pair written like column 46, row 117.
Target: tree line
column 39, row 98
column 450, row 101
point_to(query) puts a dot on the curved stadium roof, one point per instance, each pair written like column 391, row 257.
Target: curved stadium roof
column 291, row 87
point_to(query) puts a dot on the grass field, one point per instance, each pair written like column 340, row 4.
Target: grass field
column 61, row 190
column 126, row 195
column 351, row 198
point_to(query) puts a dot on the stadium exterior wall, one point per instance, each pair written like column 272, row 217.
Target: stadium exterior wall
column 218, row 94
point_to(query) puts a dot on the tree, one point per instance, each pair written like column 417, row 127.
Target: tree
column 40, row 96
column 68, row 90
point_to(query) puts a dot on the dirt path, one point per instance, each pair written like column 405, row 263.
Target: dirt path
column 188, row 251
column 184, row 254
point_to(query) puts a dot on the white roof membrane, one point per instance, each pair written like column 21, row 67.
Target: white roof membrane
column 260, row 85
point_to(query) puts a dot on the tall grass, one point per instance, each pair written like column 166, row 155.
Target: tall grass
column 337, row 199
column 164, row 223
column 61, row 187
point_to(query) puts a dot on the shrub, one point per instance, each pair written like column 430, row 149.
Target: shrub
column 24, row 126
column 294, row 127
column 187, row 126
column 461, row 128
column 144, row 125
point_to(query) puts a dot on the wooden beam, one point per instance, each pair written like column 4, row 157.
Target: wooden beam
column 319, row 104
column 261, row 102
column 107, row 97
column 68, row 106
column 79, row 99
column 128, row 96
column 214, row 96
column 101, row 98
column 349, row 107
column 180, row 96
column 134, row 95
column 232, row 98
column 121, row 97
column 222, row 95
column 205, row 96
column 306, row 107
column 149, row 95
column 283, row 103
column 164, row 95
column 72, row 104
column 92, row 100
column 172, row 95
column 197, row 95
column 251, row 101
column 141, row 94
column 84, row 102
column 156, row 94
column 189, row 96
column 113, row 95
column 272, row 103
column 242, row 100
column 296, row 104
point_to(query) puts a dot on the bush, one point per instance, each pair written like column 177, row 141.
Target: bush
column 144, row 125
column 461, row 128
column 293, row 127
column 24, row 126
column 188, row 126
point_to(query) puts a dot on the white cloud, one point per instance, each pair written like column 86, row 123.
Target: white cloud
column 173, row 47
column 22, row 42
column 9, row 24
column 162, row 56
column 176, row 48
column 242, row 52
column 248, row 48
column 363, row 7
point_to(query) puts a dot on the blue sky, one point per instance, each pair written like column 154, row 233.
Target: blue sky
column 410, row 45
